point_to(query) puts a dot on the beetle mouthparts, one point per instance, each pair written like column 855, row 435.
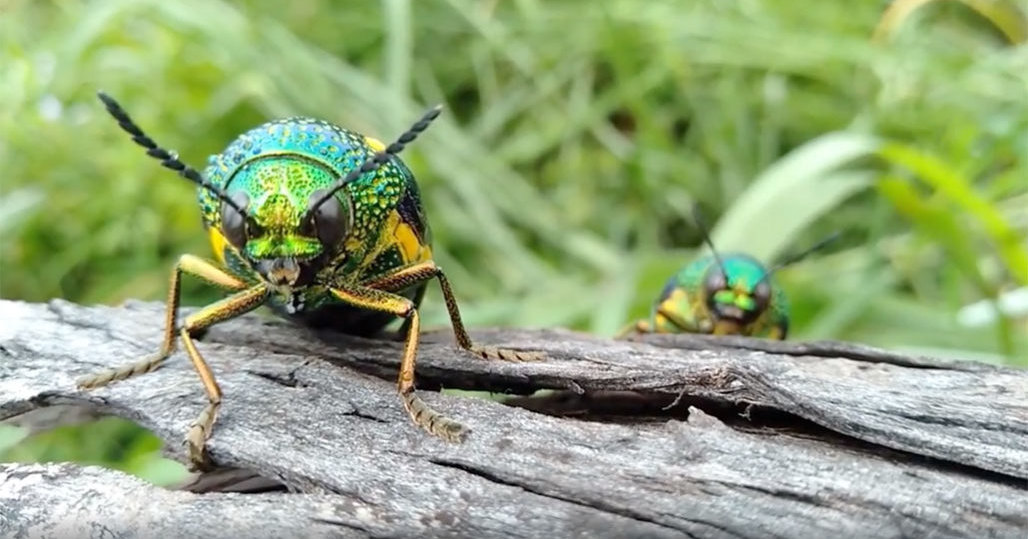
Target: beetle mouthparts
column 730, row 312
column 280, row 271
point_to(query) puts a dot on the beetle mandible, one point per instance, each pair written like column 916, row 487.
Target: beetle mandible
column 322, row 224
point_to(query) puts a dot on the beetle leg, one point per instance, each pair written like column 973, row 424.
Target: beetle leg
column 230, row 307
column 641, row 326
column 427, row 270
column 464, row 340
column 422, row 415
column 189, row 264
column 401, row 333
column 780, row 330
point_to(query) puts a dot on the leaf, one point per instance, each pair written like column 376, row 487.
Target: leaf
column 1006, row 16
column 958, row 190
column 792, row 193
column 937, row 223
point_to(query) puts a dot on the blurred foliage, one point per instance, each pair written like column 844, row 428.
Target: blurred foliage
column 110, row 442
column 576, row 137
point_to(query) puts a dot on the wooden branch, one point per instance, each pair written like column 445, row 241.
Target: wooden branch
column 766, row 439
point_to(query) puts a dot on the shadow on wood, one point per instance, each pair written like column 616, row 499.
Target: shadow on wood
column 681, row 436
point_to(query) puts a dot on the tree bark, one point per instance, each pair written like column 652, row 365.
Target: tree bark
column 672, row 436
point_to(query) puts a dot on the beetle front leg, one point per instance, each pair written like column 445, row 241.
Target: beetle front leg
column 422, row 415
column 648, row 325
column 401, row 333
column 188, row 264
column 641, row 326
column 230, row 307
column 428, row 270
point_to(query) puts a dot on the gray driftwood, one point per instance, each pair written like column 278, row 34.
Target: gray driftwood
column 672, row 437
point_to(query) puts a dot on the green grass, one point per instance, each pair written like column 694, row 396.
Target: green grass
column 576, row 137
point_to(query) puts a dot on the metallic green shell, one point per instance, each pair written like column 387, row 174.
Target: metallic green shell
column 684, row 297
column 340, row 150
column 279, row 165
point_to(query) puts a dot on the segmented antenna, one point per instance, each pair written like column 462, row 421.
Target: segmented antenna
column 794, row 258
column 697, row 215
column 168, row 159
column 377, row 160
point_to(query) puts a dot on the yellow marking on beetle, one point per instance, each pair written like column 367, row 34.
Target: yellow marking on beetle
column 672, row 321
column 677, row 299
column 396, row 234
column 218, row 243
column 681, row 312
column 410, row 246
column 353, row 244
column 677, row 295
column 375, row 144
column 660, row 323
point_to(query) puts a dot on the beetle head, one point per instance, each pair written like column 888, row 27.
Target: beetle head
column 280, row 232
column 736, row 289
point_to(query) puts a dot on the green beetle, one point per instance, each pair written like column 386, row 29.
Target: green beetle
column 322, row 224
column 723, row 294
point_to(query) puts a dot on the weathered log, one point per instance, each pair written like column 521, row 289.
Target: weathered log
column 761, row 439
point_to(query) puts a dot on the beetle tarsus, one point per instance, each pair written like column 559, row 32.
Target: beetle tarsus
column 432, row 421
column 198, row 434
column 124, row 372
column 506, row 354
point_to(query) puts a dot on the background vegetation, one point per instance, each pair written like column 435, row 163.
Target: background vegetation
column 577, row 135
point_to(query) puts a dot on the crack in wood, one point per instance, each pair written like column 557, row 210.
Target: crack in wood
column 591, row 504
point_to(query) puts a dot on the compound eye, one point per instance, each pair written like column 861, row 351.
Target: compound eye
column 715, row 281
column 330, row 219
column 233, row 223
column 762, row 294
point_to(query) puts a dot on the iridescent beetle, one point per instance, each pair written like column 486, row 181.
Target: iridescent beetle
column 723, row 294
column 324, row 225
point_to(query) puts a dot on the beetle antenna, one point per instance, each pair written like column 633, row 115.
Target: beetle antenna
column 377, row 160
column 168, row 159
column 697, row 214
column 792, row 259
